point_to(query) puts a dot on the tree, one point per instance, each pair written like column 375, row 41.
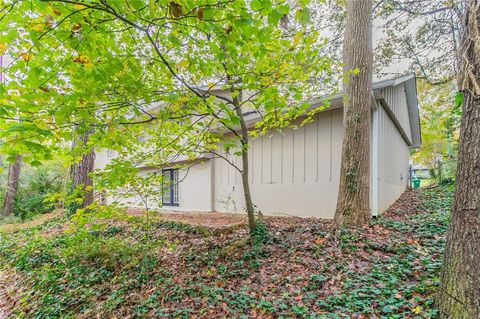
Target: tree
column 12, row 185
column 459, row 293
column 204, row 65
column 440, row 122
column 81, row 172
column 422, row 32
column 353, row 206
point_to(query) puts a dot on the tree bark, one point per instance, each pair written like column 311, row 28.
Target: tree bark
column 245, row 168
column 353, row 204
column 459, row 292
column 12, row 186
column 80, row 172
column 246, row 192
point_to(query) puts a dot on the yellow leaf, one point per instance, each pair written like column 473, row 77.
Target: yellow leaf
column 182, row 64
column 417, row 310
column 3, row 48
column 38, row 27
column 83, row 59
column 78, row 6
column 26, row 56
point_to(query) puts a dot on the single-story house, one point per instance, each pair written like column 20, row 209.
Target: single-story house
column 296, row 171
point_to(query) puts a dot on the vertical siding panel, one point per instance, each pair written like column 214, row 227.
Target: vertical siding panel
column 287, row 156
column 229, row 168
column 257, row 161
column 276, row 158
column 299, row 155
column 224, row 171
column 267, row 160
column 324, row 146
column 218, row 171
column 337, row 140
column 311, row 152
column 251, row 156
column 238, row 163
column 397, row 101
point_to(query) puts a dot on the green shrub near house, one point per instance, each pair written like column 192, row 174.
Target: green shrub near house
column 35, row 186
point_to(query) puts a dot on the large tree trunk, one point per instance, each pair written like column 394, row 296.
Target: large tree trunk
column 459, row 293
column 353, row 204
column 12, row 186
column 80, row 172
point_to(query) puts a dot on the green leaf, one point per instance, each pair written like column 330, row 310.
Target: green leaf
column 304, row 16
column 458, row 99
column 274, row 17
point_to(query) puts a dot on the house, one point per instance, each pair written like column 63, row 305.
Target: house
column 296, row 171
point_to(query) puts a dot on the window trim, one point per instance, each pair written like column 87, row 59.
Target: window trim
column 171, row 188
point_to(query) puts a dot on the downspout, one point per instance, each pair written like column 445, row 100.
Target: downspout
column 374, row 158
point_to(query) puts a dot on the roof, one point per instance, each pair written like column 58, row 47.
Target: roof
column 336, row 101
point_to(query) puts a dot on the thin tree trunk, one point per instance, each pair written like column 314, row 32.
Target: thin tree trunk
column 80, row 172
column 353, row 204
column 246, row 192
column 459, row 293
column 12, row 186
column 245, row 169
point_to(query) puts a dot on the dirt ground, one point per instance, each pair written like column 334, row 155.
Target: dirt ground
column 212, row 220
column 216, row 220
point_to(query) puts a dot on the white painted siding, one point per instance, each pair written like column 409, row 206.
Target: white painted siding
column 101, row 159
column 195, row 191
column 393, row 162
column 397, row 101
column 294, row 172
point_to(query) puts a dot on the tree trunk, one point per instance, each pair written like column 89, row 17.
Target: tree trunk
column 353, row 204
column 12, row 186
column 459, row 293
column 246, row 191
column 80, row 172
column 245, row 180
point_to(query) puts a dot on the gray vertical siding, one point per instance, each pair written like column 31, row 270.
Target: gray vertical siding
column 291, row 172
column 397, row 101
column 393, row 162
column 296, row 171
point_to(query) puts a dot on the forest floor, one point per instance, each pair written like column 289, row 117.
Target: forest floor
column 292, row 268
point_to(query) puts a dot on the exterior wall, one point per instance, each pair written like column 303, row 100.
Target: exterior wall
column 393, row 155
column 131, row 200
column 195, row 189
column 397, row 101
column 295, row 172
column 101, row 159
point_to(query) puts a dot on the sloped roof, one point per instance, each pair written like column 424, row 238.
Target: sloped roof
column 336, row 101
column 410, row 82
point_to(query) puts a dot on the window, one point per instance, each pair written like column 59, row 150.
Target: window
column 170, row 187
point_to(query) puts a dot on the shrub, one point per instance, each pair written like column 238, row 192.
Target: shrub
column 35, row 184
